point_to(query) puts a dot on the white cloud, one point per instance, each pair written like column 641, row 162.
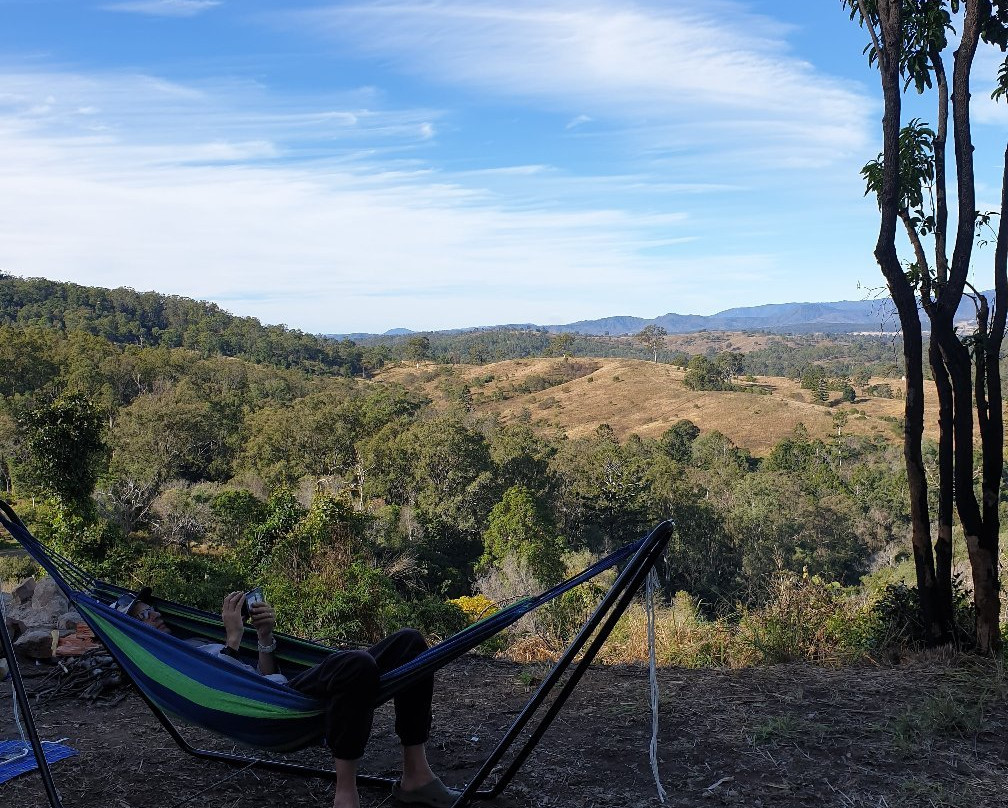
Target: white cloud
column 985, row 109
column 164, row 8
column 669, row 63
column 333, row 214
column 172, row 196
column 179, row 121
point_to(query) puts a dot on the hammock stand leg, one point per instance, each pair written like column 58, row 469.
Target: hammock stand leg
column 607, row 613
column 232, row 759
column 29, row 719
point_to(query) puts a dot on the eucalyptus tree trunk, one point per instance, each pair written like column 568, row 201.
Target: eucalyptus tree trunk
column 983, row 548
column 911, row 49
column 946, row 499
column 939, row 374
column 980, row 524
column 902, row 293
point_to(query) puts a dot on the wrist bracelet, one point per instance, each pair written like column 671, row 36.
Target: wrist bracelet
column 267, row 649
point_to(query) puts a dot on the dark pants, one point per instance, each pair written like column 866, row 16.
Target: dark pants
column 348, row 682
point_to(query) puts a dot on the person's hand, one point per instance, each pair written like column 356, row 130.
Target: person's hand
column 234, row 625
column 263, row 619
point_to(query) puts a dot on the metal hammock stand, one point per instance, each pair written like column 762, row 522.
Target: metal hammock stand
column 559, row 683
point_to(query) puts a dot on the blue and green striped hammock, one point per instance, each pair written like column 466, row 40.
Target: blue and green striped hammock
column 179, row 680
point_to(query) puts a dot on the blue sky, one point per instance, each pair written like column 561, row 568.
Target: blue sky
column 345, row 167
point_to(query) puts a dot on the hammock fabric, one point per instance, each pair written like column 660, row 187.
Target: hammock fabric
column 179, row 679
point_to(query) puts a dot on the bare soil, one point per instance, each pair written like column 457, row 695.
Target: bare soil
column 924, row 733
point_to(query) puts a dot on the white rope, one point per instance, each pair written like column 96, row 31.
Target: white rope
column 652, row 586
column 14, row 702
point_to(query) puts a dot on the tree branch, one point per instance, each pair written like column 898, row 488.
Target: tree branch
column 870, row 27
column 940, row 139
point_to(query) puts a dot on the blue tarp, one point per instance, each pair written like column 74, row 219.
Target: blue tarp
column 17, row 757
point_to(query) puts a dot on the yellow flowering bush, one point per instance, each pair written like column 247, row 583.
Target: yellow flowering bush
column 475, row 607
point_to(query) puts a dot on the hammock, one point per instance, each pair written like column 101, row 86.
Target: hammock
column 179, row 680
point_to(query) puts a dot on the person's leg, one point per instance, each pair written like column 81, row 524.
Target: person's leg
column 412, row 705
column 345, row 790
column 416, row 771
column 348, row 682
column 412, row 708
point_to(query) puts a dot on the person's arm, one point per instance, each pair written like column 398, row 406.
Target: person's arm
column 234, row 625
column 264, row 620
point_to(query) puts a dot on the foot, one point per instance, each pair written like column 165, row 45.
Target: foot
column 343, row 798
column 433, row 793
column 415, row 781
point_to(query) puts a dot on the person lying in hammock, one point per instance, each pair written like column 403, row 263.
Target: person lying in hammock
column 348, row 682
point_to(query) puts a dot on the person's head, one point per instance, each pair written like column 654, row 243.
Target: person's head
column 136, row 606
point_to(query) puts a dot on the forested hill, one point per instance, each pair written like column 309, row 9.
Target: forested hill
column 125, row 316
column 364, row 504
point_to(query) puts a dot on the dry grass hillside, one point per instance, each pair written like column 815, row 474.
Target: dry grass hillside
column 634, row 396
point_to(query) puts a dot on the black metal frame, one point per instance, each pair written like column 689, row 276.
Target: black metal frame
column 26, row 714
column 606, row 614
column 593, row 634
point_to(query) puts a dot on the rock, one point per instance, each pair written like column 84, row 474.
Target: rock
column 23, row 591
column 36, row 618
column 69, row 621
column 15, row 627
column 48, row 597
column 4, row 668
column 36, row 643
column 6, row 601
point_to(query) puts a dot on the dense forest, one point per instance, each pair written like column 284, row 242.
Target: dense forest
column 127, row 317
column 164, row 442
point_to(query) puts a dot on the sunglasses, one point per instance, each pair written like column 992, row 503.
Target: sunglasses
column 146, row 613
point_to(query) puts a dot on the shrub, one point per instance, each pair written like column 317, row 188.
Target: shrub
column 805, row 619
column 883, row 390
column 559, row 621
column 434, row 617
column 895, row 620
column 193, row 579
column 683, row 637
column 339, row 601
column 475, row 607
column 97, row 545
column 15, row 568
column 541, row 634
column 237, row 512
column 326, row 582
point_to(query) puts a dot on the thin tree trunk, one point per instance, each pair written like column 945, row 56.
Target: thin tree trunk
column 946, row 502
column 967, row 392
column 889, row 12
column 991, row 418
column 941, row 200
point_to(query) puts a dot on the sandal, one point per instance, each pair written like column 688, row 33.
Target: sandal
column 435, row 794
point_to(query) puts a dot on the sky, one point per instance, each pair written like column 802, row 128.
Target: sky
column 346, row 167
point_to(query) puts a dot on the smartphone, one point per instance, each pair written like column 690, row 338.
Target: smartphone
column 252, row 596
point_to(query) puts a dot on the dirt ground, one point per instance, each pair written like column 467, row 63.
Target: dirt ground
column 924, row 733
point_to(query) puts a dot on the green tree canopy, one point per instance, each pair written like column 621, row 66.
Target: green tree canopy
column 518, row 527
column 704, row 374
column 65, row 449
column 653, row 338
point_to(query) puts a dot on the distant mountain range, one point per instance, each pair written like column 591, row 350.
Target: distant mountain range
column 840, row 317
